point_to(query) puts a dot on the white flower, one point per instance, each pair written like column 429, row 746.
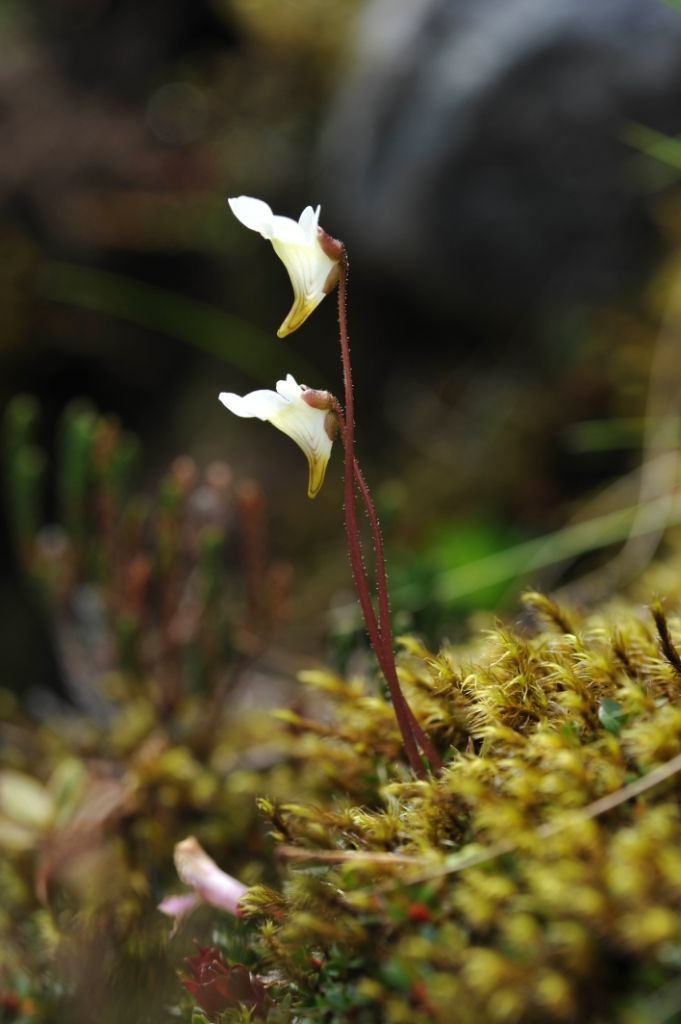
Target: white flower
column 302, row 413
column 310, row 256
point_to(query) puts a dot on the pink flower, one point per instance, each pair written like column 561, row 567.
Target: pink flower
column 210, row 884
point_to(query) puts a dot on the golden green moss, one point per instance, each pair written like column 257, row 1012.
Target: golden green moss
column 527, row 883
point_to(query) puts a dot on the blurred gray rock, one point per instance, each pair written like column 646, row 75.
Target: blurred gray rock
column 476, row 150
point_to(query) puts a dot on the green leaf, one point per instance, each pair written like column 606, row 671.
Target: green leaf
column 612, row 715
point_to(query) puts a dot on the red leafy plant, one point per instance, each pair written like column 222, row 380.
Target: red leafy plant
column 216, row 986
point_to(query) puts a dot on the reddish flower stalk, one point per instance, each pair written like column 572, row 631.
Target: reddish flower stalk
column 385, row 627
column 380, row 633
column 380, row 636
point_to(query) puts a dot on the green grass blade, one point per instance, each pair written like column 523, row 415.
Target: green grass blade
column 214, row 331
column 552, row 548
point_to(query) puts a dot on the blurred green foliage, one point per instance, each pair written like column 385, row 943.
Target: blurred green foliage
column 159, row 608
column 214, row 331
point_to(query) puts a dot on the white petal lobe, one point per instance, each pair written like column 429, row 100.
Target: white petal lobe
column 309, row 222
column 260, row 404
column 253, row 214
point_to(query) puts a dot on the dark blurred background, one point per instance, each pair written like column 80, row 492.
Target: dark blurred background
column 504, row 174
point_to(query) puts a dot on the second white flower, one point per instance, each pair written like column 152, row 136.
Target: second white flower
column 302, row 413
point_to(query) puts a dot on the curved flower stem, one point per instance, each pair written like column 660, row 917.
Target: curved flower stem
column 409, row 728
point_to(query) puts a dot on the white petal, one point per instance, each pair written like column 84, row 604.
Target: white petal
column 261, row 404
column 289, row 388
column 253, row 214
column 287, row 231
column 307, row 427
column 308, row 268
column 309, row 222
